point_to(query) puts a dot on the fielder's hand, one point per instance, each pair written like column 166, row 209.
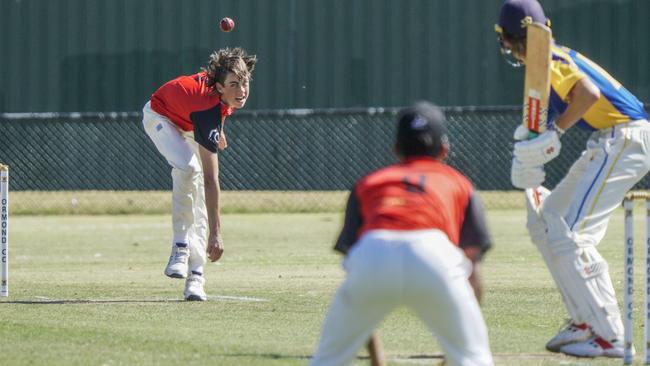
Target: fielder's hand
column 215, row 247
column 539, row 150
column 523, row 176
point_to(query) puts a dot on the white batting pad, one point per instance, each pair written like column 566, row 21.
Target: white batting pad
column 537, row 231
column 586, row 275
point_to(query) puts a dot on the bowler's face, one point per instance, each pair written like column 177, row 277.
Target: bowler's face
column 234, row 91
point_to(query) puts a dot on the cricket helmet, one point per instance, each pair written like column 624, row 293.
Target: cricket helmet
column 516, row 15
column 514, row 18
column 421, row 130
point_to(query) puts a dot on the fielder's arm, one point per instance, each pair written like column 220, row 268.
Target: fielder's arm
column 473, row 254
column 375, row 350
column 475, row 240
column 351, row 224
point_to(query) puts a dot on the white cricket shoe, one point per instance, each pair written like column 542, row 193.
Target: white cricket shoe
column 194, row 288
column 572, row 333
column 177, row 265
column 595, row 347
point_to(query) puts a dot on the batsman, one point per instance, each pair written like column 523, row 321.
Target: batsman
column 567, row 223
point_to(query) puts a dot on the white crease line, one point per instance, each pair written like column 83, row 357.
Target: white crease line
column 437, row 359
column 216, row 297
column 237, row 298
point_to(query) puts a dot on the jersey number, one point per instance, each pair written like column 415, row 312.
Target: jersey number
column 414, row 187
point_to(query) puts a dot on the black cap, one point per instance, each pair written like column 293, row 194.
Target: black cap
column 421, row 130
column 517, row 14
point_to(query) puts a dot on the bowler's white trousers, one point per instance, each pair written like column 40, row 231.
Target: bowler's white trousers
column 422, row 270
column 189, row 216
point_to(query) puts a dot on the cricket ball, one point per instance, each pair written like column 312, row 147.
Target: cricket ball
column 226, row 24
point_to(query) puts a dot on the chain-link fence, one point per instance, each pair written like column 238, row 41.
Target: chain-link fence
column 282, row 159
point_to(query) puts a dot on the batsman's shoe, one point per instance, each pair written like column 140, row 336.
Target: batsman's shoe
column 194, row 288
column 595, row 347
column 177, row 265
column 572, row 333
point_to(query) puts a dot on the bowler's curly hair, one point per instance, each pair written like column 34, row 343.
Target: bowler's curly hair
column 226, row 60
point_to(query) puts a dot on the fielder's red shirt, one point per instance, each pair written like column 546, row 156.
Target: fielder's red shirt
column 178, row 99
column 418, row 194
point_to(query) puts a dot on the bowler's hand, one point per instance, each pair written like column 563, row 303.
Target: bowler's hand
column 215, row 247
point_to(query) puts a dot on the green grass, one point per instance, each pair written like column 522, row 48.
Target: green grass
column 159, row 202
column 89, row 290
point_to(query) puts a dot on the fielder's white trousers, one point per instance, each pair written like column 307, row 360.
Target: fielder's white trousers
column 189, row 216
column 419, row 269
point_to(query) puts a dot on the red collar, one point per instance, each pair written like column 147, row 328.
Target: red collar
column 418, row 159
column 226, row 110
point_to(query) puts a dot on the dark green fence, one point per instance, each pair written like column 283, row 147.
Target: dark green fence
column 292, row 150
column 98, row 55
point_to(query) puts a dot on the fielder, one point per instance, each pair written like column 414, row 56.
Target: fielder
column 414, row 234
column 185, row 120
column 572, row 219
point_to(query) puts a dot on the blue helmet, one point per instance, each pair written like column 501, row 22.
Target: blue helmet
column 515, row 16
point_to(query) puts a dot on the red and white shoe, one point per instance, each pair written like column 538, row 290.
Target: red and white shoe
column 572, row 333
column 595, row 347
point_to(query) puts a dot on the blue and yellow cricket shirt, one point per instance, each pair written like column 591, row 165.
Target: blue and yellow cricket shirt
column 616, row 104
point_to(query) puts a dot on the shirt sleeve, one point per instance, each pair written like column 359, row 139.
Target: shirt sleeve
column 564, row 76
column 351, row 225
column 207, row 128
column 474, row 232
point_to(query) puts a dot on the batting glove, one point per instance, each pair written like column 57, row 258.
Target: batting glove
column 521, row 133
column 523, row 176
column 539, row 150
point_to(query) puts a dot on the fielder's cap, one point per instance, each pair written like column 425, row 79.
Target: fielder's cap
column 517, row 14
column 421, row 130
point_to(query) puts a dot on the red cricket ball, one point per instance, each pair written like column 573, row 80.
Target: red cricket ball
column 226, row 24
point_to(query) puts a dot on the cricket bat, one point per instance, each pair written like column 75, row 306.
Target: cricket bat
column 537, row 85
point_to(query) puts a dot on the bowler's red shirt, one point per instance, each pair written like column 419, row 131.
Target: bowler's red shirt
column 177, row 99
column 418, row 194
column 193, row 106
